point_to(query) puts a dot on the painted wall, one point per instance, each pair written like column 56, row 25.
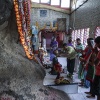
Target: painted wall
column 51, row 16
column 87, row 16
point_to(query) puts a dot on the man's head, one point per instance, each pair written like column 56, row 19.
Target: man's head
column 88, row 40
column 97, row 41
column 78, row 41
column 55, row 52
column 70, row 38
column 69, row 41
column 32, row 35
column 64, row 45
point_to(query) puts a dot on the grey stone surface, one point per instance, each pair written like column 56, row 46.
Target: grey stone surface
column 17, row 73
column 5, row 10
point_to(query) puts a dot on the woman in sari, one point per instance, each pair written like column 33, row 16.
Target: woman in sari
column 54, row 44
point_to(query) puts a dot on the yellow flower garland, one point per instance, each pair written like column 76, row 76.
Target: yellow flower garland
column 21, row 32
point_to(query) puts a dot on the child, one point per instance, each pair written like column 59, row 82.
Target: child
column 70, row 53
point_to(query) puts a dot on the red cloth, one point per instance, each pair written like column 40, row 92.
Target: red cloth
column 85, row 50
column 58, row 67
column 87, row 53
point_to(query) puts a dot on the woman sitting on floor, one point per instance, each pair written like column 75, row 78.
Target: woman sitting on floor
column 56, row 68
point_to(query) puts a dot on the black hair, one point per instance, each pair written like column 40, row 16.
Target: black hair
column 64, row 44
column 54, row 52
column 32, row 34
column 90, row 39
column 97, row 40
column 78, row 39
column 69, row 41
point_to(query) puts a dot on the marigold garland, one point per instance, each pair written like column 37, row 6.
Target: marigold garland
column 23, row 24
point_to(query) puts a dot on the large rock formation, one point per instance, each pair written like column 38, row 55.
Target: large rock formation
column 19, row 77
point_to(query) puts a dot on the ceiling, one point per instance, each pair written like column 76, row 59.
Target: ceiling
column 65, row 6
column 76, row 4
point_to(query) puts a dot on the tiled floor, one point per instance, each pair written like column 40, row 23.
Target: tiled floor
column 80, row 95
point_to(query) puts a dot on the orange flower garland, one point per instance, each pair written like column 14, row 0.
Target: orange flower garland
column 22, row 29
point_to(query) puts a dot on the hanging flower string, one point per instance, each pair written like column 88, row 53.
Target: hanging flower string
column 26, row 21
column 23, row 28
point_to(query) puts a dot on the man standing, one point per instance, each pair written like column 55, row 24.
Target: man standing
column 79, row 48
column 71, row 54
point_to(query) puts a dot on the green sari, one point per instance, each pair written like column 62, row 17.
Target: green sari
column 81, row 71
